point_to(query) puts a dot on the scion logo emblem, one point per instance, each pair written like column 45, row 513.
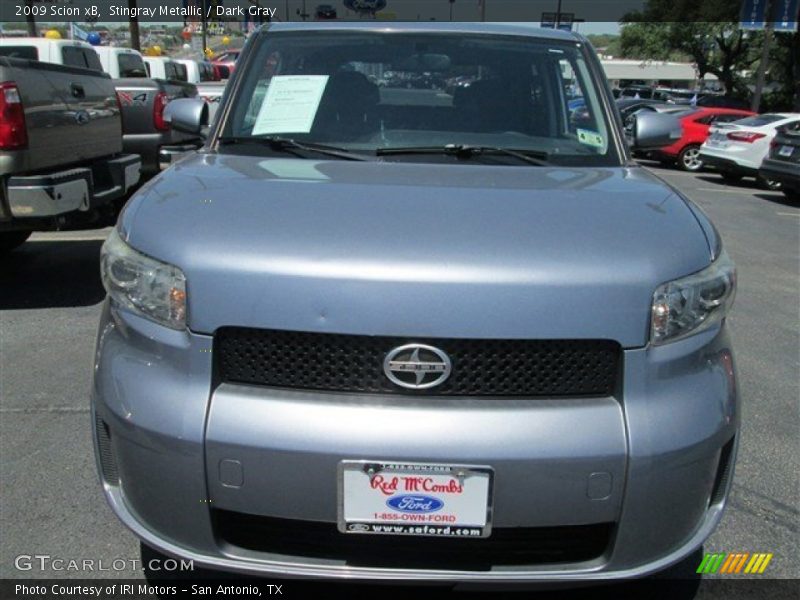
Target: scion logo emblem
column 417, row 366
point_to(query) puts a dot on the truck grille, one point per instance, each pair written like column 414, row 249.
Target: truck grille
column 506, row 546
column 354, row 363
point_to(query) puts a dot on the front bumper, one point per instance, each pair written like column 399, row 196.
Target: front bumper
column 168, row 431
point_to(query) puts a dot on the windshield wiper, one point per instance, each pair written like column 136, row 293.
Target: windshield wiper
column 284, row 144
column 533, row 157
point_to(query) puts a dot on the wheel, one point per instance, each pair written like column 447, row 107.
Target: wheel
column 730, row 177
column 769, row 184
column 689, row 159
column 11, row 239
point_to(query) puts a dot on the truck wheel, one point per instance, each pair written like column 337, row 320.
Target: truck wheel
column 689, row 159
column 11, row 239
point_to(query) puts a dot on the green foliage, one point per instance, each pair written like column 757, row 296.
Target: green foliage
column 609, row 43
column 704, row 32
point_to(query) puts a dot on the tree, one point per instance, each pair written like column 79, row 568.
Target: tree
column 784, row 69
column 706, row 32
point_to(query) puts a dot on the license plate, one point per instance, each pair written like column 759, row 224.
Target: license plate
column 414, row 499
column 786, row 150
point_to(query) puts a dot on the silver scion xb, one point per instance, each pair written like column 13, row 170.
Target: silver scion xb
column 413, row 313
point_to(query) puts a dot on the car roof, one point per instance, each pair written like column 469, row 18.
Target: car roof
column 724, row 111
column 524, row 29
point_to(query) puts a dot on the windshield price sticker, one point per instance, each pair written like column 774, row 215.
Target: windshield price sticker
column 291, row 104
column 426, row 500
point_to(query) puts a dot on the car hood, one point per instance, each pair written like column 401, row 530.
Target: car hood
column 410, row 249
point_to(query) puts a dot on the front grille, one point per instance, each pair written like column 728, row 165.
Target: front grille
column 354, row 363
column 504, row 547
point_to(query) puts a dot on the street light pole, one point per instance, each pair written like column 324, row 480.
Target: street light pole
column 203, row 25
column 558, row 14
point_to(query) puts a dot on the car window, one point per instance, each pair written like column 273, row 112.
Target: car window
column 728, row 119
column 29, row 52
column 131, row 65
column 85, row 58
column 760, row 120
column 206, row 72
column 92, row 59
column 181, row 73
column 371, row 91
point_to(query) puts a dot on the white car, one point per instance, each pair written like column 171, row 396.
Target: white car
column 736, row 149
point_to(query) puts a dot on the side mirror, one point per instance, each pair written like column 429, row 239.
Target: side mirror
column 188, row 115
column 651, row 130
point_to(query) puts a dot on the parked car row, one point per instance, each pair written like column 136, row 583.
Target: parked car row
column 736, row 143
column 80, row 126
column 683, row 97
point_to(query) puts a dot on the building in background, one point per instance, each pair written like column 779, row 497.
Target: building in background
column 622, row 72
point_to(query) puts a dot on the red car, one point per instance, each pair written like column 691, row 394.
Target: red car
column 695, row 124
column 225, row 63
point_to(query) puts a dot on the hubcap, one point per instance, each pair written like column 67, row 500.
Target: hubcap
column 691, row 159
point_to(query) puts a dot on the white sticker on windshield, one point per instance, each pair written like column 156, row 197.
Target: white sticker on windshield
column 591, row 138
column 291, row 104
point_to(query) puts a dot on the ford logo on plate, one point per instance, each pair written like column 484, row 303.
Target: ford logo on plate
column 415, row 504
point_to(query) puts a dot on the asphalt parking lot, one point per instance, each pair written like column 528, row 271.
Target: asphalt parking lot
column 50, row 296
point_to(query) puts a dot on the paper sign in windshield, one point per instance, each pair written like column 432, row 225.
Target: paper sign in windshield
column 291, row 104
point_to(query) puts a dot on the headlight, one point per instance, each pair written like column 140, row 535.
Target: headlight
column 148, row 287
column 694, row 303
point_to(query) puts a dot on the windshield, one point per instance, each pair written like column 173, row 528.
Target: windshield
column 374, row 92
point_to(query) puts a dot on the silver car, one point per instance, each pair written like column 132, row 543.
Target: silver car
column 402, row 332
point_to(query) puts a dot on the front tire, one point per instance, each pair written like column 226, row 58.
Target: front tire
column 12, row 239
column 689, row 159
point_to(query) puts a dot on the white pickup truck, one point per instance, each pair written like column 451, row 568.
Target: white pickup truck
column 163, row 67
column 205, row 76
